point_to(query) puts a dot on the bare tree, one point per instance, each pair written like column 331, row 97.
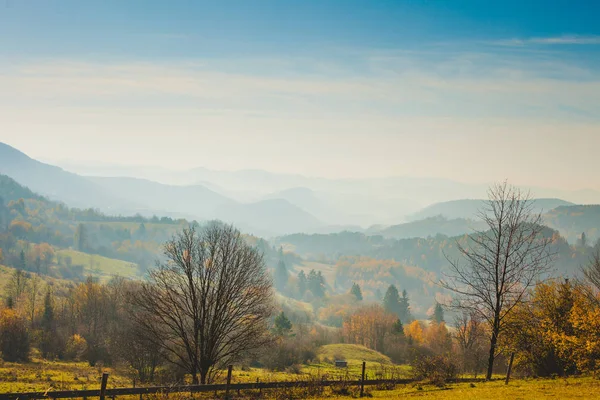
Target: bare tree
column 501, row 262
column 591, row 271
column 470, row 336
column 209, row 303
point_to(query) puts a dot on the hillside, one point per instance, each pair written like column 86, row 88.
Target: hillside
column 196, row 200
column 572, row 221
column 468, row 208
column 431, row 226
column 352, row 353
column 56, row 183
column 128, row 196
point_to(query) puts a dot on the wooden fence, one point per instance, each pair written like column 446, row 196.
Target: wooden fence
column 104, row 393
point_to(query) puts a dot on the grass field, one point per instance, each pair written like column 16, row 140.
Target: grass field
column 99, row 266
column 327, row 270
column 42, row 375
column 571, row 388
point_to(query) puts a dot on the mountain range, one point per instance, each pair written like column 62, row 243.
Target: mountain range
column 269, row 204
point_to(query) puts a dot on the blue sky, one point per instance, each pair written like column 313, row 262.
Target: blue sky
column 323, row 88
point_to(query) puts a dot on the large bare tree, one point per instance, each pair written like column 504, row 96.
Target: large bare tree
column 500, row 263
column 208, row 303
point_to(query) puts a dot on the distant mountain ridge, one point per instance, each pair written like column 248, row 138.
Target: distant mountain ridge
column 468, row 208
column 122, row 195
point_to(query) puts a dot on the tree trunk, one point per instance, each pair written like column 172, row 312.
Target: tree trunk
column 195, row 378
column 203, row 376
column 493, row 342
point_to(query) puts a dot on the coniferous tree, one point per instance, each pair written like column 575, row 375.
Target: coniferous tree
column 48, row 327
column 356, row 291
column 404, row 312
column 438, row 313
column 302, row 283
column 391, row 300
column 282, row 325
column 281, row 276
column 316, row 283
column 398, row 328
column 81, row 237
column 22, row 262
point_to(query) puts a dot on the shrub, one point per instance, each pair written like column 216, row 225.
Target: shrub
column 14, row 337
column 435, row 369
column 76, row 348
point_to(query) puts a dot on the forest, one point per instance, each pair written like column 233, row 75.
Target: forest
column 164, row 298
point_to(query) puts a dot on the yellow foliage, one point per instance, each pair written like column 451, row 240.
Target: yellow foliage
column 415, row 331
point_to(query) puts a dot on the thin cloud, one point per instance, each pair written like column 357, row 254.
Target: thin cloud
column 556, row 40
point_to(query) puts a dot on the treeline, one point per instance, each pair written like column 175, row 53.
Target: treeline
column 430, row 254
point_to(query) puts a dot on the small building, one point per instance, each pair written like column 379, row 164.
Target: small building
column 341, row 364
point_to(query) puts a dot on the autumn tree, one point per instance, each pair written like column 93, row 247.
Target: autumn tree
column 414, row 332
column 500, row 263
column 438, row 338
column 14, row 337
column 470, row 336
column 369, row 326
column 209, row 303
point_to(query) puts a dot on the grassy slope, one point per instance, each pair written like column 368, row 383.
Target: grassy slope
column 327, row 270
column 352, row 353
column 42, row 375
column 59, row 286
column 571, row 388
column 101, row 266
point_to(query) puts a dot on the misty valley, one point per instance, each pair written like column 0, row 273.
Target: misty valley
column 155, row 283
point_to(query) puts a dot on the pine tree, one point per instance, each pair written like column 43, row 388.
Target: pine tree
column 391, row 300
column 22, row 262
column 316, row 283
column 282, row 325
column 398, row 328
column 81, row 237
column 583, row 240
column 302, row 283
column 404, row 312
column 281, row 276
column 356, row 291
column 48, row 326
column 438, row 313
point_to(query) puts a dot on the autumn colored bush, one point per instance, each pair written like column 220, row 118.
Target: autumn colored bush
column 14, row 337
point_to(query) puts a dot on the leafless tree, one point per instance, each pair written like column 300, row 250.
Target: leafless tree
column 591, row 272
column 500, row 263
column 208, row 303
column 470, row 336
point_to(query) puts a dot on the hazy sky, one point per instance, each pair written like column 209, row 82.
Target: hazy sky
column 474, row 90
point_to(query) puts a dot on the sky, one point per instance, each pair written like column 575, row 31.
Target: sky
column 474, row 91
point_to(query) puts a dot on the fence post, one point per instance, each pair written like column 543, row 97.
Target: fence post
column 229, row 369
column 103, row 385
column 362, row 379
column 512, row 358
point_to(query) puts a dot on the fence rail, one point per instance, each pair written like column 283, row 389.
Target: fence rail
column 104, row 392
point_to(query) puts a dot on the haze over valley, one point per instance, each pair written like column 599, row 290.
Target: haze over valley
column 299, row 199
